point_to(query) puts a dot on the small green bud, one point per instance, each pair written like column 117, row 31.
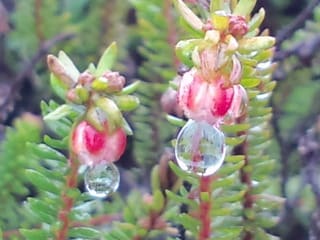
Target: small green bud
column 220, row 21
column 82, row 93
column 100, row 84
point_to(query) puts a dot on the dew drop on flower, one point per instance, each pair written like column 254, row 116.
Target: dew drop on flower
column 200, row 148
column 102, row 180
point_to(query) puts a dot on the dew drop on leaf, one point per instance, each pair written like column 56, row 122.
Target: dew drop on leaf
column 200, row 148
column 102, row 180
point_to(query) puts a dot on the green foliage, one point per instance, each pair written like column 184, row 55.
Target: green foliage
column 152, row 130
column 49, row 180
column 140, row 215
column 15, row 157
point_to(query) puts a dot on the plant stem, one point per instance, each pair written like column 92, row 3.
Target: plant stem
column 63, row 215
column 245, row 178
column 205, row 207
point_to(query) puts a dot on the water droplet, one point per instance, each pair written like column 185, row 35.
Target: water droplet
column 102, row 180
column 200, row 148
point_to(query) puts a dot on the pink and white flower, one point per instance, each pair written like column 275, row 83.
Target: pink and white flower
column 94, row 147
column 202, row 100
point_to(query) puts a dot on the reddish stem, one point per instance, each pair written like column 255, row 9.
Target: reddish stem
column 63, row 215
column 245, row 178
column 205, row 207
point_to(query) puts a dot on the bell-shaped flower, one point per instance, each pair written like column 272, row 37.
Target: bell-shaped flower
column 203, row 100
column 94, row 147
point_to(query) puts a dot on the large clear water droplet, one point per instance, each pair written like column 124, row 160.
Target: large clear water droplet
column 200, row 148
column 102, row 180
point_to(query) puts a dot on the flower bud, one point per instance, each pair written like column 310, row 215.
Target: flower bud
column 94, row 147
column 238, row 26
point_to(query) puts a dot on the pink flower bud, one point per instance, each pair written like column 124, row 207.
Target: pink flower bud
column 202, row 100
column 238, row 26
column 95, row 147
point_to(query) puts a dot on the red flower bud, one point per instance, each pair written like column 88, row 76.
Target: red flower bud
column 95, row 147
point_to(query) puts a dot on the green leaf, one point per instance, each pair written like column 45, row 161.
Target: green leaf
column 175, row 120
column 257, row 19
column 35, row 234
column 216, row 5
column 155, row 181
column 227, row 169
column 58, row 87
column 158, row 201
column 250, row 82
column 107, row 59
column 39, row 209
column 84, row 232
column 180, row 199
column 193, row 20
column 131, row 88
column 235, row 128
column 184, row 50
column 188, row 222
column 234, row 141
column 127, row 102
column 57, row 143
column 42, row 182
column 244, row 7
column 58, row 113
column 69, row 66
column 45, row 152
column 248, row 45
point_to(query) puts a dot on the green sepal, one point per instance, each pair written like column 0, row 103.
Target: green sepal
column 127, row 102
column 184, row 50
column 107, row 59
column 59, row 87
column 105, row 110
column 193, row 20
